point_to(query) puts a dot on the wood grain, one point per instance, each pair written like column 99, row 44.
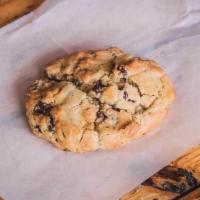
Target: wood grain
column 179, row 180
column 194, row 195
column 13, row 9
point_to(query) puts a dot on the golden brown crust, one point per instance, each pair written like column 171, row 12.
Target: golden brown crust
column 98, row 99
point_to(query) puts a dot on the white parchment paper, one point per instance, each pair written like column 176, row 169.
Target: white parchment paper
column 165, row 30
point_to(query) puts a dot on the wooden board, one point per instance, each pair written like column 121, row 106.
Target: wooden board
column 193, row 195
column 13, row 9
column 179, row 180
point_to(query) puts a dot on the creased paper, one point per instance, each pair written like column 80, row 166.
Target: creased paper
column 165, row 30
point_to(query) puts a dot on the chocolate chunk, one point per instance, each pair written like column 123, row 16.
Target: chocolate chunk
column 34, row 86
column 51, row 126
column 38, row 128
column 112, row 66
column 125, row 96
column 93, row 53
column 65, row 77
column 42, row 109
column 116, row 109
column 97, row 86
column 120, row 87
column 130, row 100
column 101, row 115
column 122, row 80
column 53, row 78
column 122, row 69
column 76, row 82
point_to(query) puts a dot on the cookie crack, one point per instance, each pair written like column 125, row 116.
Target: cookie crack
column 81, row 137
column 137, row 87
column 163, row 85
column 154, row 101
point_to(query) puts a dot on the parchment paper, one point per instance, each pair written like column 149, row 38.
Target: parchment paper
column 165, row 30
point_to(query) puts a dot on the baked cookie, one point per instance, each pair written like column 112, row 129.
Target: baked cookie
column 98, row 99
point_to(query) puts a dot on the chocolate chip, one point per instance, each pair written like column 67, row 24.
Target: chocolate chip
column 112, row 65
column 120, row 87
column 121, row 84
column 125, row 96
column 38, row 128
column 93, row 53
column 76, row 82
column 122, row 69
column 65, row 77
column 53, row 78
column 42, row 109
column 97, row 86
column 123, row 80
column 116, row 109
column 34, row 86
column 130, row 100
column 51, row 126
column 101, row 115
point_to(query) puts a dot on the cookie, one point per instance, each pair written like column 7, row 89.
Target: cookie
column 98, row 100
